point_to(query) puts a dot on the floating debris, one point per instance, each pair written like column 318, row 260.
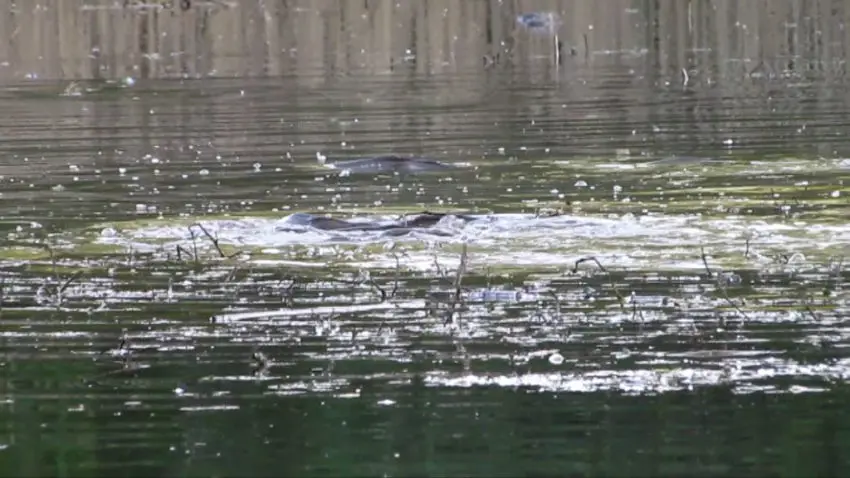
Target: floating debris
column 540, row 22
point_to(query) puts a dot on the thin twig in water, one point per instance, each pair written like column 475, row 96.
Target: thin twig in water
column 807, row 301
column 60, row 289
column 380, row 290
column 194, row 244
column 557, row 303
column 747, row 248
column 458, row 291
column 288, row 294
column 461, row 270
column 440, row 271
column 812, row 313
column 586, row 47
column 635, row 311
column 589, row 259
column 705, row 261
column 397, row 276
column 211, row 238
column 602, row 268
column 232, row 274
column 732, row 303
column 721, row 285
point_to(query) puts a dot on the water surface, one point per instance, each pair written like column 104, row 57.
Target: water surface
column 656, row 284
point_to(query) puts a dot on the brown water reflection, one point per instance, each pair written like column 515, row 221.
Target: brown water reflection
column 325, row 39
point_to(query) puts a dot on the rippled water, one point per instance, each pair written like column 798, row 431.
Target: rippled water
column 681, row 312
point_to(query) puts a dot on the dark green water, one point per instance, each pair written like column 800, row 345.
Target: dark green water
column 120, row 358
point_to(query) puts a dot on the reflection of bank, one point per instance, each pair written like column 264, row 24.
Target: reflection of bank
column 80, row 39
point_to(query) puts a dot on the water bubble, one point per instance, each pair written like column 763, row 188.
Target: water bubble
column 204, row 172
column 556, row 359
column 122, row 171
column 580, row 184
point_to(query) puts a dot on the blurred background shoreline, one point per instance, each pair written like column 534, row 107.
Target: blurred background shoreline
column 91, row 39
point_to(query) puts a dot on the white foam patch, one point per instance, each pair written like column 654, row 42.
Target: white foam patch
column 661, row 241
column 745, row 375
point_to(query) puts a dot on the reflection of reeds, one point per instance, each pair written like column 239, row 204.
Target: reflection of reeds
column 288, row 37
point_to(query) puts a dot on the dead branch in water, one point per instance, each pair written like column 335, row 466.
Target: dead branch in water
column 589, row 259
column 602, row 268
column 61, row 289
column 397, row 276
column 721, row 284
column 440, row 271
column 212, row 239
column 380, row 290
column 180, row 251
column 705, row 262
column 194, row 245
column 288, row 294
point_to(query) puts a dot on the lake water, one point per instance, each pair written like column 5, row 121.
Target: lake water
column 654, row 285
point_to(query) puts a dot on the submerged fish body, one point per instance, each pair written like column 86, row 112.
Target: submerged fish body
column 398, row 227
column 683, row 160
column 389, row 164
column 319, row 222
